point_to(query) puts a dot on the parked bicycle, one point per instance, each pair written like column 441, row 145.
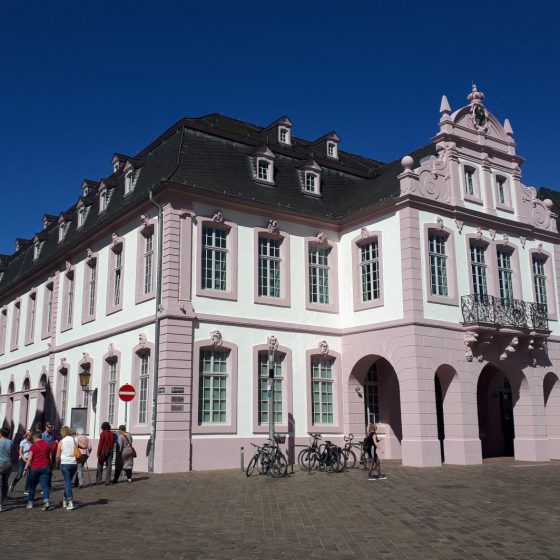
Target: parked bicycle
column 268, row 459
column 326, row 456
column 348, row 453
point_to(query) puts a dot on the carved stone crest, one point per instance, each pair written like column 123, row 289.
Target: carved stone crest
column 145, row 219
column 323, row 347
column 471, row 338
column 492, row 233
column 506, row 240
column 322, row 237
column 116, row 240
column 218, row 217
column 216, row 338
column 272, row 342
column 510, row 348
column 142, row 340
column 272, row 227
column 522, row 240
column 439, row 222
column 478, row 233
column 459, row 224
column 364, row 233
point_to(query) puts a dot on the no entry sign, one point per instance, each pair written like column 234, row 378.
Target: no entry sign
column 127, row 393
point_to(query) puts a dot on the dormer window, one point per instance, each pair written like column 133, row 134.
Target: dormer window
column 81, row 216
column 62, row 229
column 311, row 182
column 284, row 135
column 37, row 246
column 332, row 150
column 104, row 198
column 128, row 182
column 263, row 167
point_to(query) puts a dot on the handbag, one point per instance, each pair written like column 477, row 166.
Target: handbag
column 132, row 450
column 77, row 452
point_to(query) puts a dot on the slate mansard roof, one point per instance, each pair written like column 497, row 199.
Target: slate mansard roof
column 212, row 155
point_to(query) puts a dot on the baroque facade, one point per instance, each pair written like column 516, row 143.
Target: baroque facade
column 421, row 294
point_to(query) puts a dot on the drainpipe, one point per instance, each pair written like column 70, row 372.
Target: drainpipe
column 151, row 456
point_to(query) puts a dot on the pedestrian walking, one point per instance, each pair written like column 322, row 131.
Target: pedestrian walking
column 372, row 450
column 49, row 437
column 5, row 464
column 105, row 453
column 38, row 467
column 84, row 445
column 23, row 454
column 66, row 457
column 125, row 455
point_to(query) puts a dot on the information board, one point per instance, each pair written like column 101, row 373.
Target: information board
column 78, row 419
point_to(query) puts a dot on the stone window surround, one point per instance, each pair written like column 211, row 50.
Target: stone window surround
column 3, row 329
column 356, row 243
column 231, row 272
column 317, row 184
column 453, row 293
column 16, row 320
column 63, row 225
column 334, row 145
column 331, row 307
column 147, row 228
column 477, row 183
column 230, row 427
column 102, row 190
column 117, row 246
column 507, row 206
column 69, row 275
column 552, row 305
column 91, row 263
column 62, row 370
column 337, row 427
column 270, row 171
column 285, row 290
column 144, row 347
column 46, row 329
column 83, row 211
column 30, row 318
column 288, row 138
column 112, row 356
column 287, row 396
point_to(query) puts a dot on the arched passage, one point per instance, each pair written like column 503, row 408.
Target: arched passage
column 498, row 395
column 551, row 391
column 374, row 397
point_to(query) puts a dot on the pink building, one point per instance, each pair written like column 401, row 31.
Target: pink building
column 421, row 294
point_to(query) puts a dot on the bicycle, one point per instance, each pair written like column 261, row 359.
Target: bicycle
column 326, row 457
column 348, row 453
column 268, row 459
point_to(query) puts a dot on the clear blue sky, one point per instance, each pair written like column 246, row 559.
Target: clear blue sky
column 80, row 81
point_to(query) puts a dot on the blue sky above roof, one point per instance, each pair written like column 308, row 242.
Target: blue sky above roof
column 80, row 82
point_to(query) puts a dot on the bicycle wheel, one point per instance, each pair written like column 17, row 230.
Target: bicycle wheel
column 251, row 466
column 263, row 462
column 331, row 461
column 279, row 465
column 349, row 458
column 300, row 456
column 308, row 460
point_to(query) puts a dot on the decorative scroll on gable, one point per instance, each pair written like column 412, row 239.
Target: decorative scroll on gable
column 540, row 210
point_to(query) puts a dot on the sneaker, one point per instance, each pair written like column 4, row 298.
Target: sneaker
column 29, row 505
column 383, row 477
column 129, row 479
column 26, row 493
column 11, row 489
column 373, row 478
column 70, row 505
column 64, row 504
column 46, row 506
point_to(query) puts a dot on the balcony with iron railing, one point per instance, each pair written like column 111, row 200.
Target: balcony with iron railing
column 504, row 313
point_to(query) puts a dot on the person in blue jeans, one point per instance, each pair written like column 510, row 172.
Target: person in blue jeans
column 38, row 466
column 24, row 447
column 66, row 458
column 5, row 463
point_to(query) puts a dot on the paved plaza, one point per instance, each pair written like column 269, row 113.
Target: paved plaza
column 499, row 510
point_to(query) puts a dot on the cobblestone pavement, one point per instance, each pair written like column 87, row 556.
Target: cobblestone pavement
column 499, row 510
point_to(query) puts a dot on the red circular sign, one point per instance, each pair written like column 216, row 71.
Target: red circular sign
column 127, row 393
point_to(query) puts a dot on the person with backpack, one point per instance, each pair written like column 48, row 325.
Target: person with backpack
column 105, row 453
column 371, row 449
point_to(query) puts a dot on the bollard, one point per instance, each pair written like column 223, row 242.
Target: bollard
column 242, row 459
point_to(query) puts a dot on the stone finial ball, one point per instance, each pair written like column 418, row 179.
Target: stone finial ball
column 548, row 203
column 407, row 162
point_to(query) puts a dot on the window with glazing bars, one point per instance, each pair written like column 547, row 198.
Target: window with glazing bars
column 263, row 389
column 539, row 280
column 264, row 170
column 148, row 262
column 269, row 267
column 369, row 271
column 112, row 392
column 32, row 302
column 15, row 325
column 214, row 258
column 213, row 386
column 505, row 274
column 371, row 392
column 70, row 296
column 92, row 287
column 50, row 297
column 117, row 278
column 438, row 264
column 478, row 270
column 310, row 182
column 143, row 392
column 469, row 182
column 85, row 394
column 319, row 275
column 322, row 389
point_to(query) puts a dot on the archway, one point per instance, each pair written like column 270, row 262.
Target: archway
column 497, row 395
column 374, row 397
column 551, row 391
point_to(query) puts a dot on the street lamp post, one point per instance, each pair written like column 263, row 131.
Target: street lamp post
column 85, row 375
column 272, row 346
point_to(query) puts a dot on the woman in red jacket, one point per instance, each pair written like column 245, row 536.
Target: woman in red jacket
column 105, row 453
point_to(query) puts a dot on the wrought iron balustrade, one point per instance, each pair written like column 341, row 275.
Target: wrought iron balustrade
column 504, row 312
